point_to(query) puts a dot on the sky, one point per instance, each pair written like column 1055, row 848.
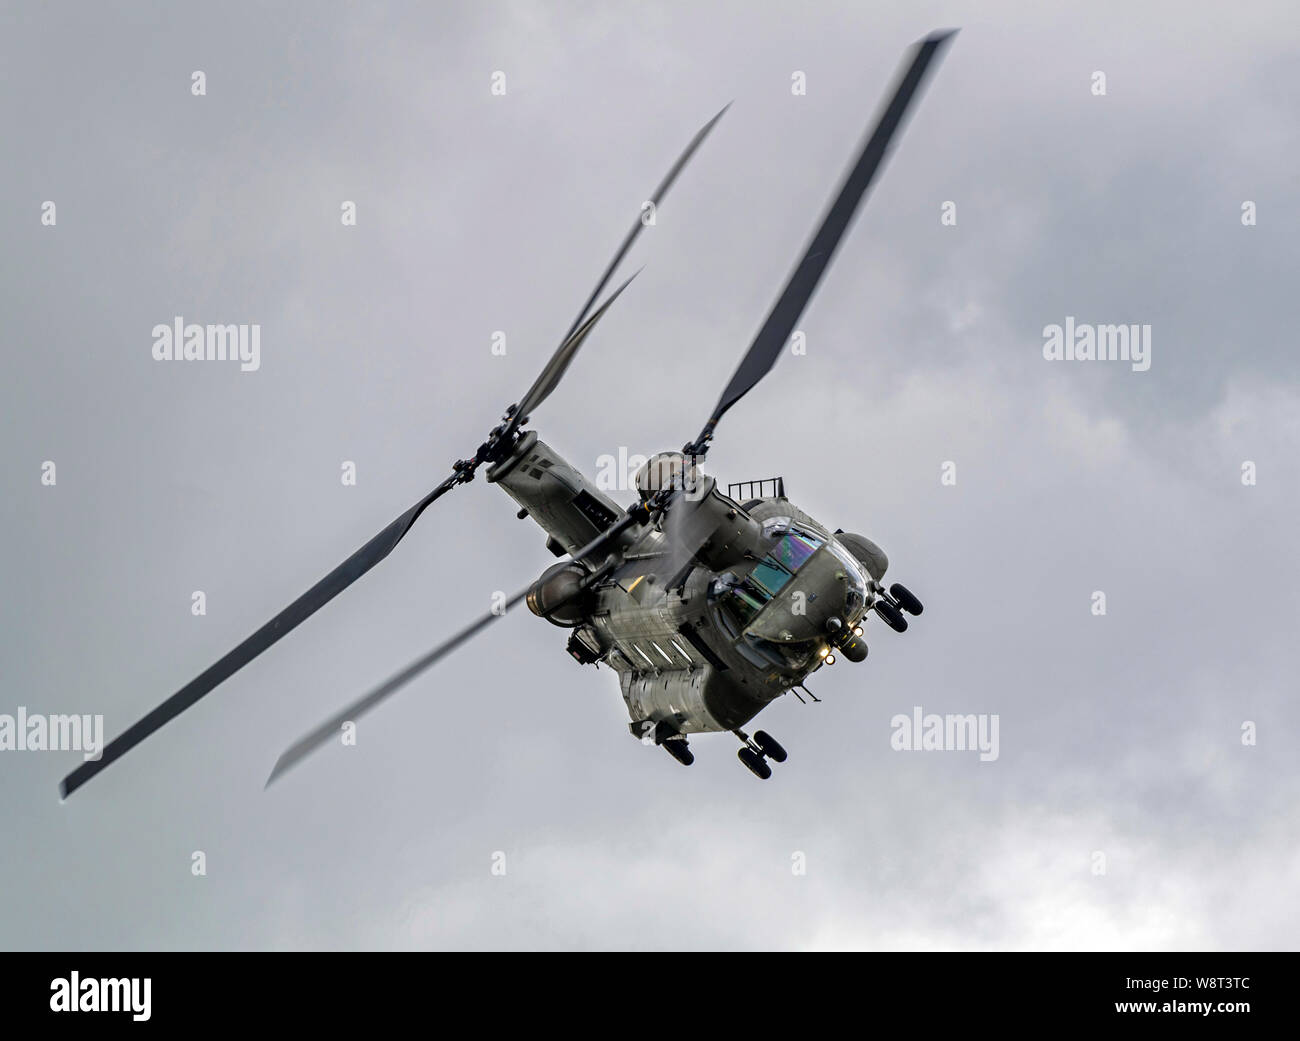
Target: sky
column 1144, row 793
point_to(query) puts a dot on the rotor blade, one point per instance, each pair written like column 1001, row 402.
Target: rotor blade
column 323, row 733
column 382, row 544
column 780, row 322
column 306, row 605
column 550, row 376
column 681, row 540
column 685, row 531
column 656, row 198
column 327, row 730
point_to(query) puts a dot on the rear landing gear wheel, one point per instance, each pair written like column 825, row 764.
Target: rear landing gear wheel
column 679, row 751
column 892, row 615
column 906, row 600
column 769, row 746
column 756, row 763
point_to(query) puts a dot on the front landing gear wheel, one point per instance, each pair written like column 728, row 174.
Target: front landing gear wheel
column 679, row 751
column 892, row 615
column 767, row 743
column 756, row 763
column 905, row 599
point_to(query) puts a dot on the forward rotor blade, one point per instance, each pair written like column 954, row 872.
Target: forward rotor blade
column 304, row 607
column 780, row 321
column 327, row 730
column 681, row 540
column 330, row 728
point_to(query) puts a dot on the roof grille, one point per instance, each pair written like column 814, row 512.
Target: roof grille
column 767, row 488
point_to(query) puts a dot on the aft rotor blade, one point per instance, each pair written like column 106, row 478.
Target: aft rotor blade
column 550, row 376
column 655, row 199
column 331, row 727
column 780, row 321
column 304, row 607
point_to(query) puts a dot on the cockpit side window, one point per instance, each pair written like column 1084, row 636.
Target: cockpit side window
column 770, row 576
column 743, row 598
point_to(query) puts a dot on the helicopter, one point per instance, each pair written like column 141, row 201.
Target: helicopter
column 708, row 605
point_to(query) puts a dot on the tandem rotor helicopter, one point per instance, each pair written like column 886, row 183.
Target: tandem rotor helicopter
column 707, row 606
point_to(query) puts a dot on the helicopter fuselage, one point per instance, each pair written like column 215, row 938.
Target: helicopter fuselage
column 764, row 596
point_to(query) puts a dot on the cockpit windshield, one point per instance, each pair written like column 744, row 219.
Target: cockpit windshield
column 742, row 598
column 794, row 548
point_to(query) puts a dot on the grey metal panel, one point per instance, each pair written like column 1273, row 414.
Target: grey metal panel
column 677, row 697
column 567, row 506
column 817, row 590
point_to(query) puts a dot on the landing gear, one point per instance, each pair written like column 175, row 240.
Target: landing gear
column 904, row 598
column 755, row 762
column 677, row 748
column 758, row 749
column 768, row 746
column 755, row 753
column 892, row 615
column 890, row 604
column 670, row 739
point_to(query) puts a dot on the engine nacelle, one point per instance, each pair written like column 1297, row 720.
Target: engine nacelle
column 559, row 597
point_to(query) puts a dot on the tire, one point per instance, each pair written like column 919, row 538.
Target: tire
column 769, row 745
column 892, row 615
column 755, row 763
column 679, row 751
column 906, row 600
